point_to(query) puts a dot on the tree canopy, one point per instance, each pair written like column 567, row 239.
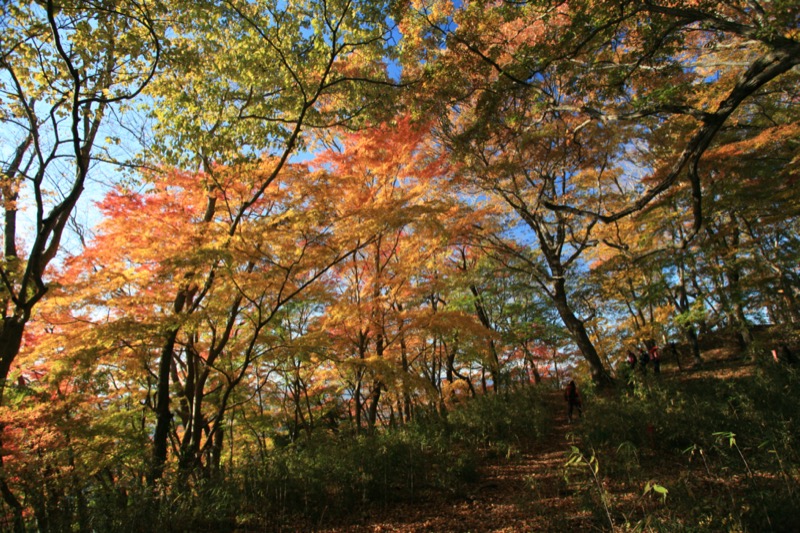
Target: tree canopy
column 340, row 216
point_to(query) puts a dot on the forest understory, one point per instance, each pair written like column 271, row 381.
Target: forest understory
column 605, row 472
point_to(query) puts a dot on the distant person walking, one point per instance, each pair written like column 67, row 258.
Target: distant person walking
column 644, row 359
column 656, row 358
column 573, row 400
column 674, row 349
column 632, row 359
column 784, row 355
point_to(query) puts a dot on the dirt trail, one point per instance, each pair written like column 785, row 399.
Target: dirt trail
column 524, row 493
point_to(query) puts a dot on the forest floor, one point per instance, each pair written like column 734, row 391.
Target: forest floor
column 525, row 492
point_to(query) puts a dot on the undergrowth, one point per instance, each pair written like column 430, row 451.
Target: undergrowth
column 327, row 476
column 334, row 475
column 702, row 454
column 679, row 452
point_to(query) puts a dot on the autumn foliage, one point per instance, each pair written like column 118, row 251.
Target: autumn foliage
column 345, row 219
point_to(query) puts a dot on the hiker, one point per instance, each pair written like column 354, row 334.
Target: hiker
column 632, row 359
column 656, row 358
column 674, row 349
column 644, row 358
column 784, row 355
column 573, row 400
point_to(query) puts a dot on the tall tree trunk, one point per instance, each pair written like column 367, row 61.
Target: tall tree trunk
column 215, row 460
column 10, row 342
column 691, row 336
column 163, row 413
column 406, row 410
column 374, row 400
column 357, row 399
column 483, row 316
column 579, row 334
column 184, row 302
column 734, row 277
column 532, row 361
column 744, row 333
column 377, row 387
column 555, row 366
column 11, row 500
column 190, row 454
column 682, row 306
column 790, row 308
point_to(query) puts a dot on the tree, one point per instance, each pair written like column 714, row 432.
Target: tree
column 644, row 67
column 611, row 78
column 526, row 169
column 64, row 65
column 387, row 294
column 261, row 76
column 120, row 290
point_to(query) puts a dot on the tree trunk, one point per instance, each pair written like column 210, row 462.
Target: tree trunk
column 215, row 460
column 691, row 336
column 579, row 334
column 357, row 399
column 13, row 502
column 406, row 411
column 790, row 307
column 532, row 361
column 372, row 412
column 555, row 367
column 744, row 334
column 190, row 454
column 163, row 413
column 483, row 316
column 10, row 342
column 734, row 278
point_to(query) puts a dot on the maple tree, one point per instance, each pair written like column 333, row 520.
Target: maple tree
column 391, row 300
column 119, row 291
column 648, row 64
column 526, row 169
column 718, row 277
column 261, row 75
column 611, row 78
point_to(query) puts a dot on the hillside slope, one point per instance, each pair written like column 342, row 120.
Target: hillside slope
column 708, row 448
column 523, row 492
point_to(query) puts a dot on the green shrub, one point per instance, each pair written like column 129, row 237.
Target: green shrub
column 329, row 475
column 726, row 449
column 320, row 477
column 500, row 422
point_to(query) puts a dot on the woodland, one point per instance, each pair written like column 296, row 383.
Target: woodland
column 284, row 265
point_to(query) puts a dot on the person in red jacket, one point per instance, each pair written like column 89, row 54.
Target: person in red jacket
column 655, row 357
